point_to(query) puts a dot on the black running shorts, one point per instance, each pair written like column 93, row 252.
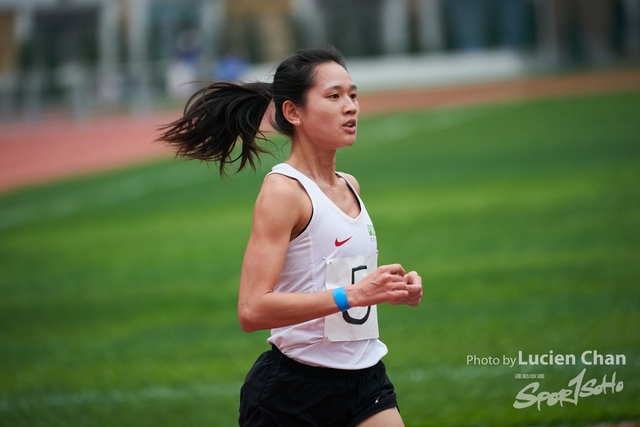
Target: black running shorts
column 279, row 391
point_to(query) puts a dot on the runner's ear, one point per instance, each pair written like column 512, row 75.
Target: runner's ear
column 291, row 112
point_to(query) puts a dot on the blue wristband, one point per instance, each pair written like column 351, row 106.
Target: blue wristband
column 340, row 296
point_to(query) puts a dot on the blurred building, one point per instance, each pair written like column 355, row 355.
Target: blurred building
column 88, row 55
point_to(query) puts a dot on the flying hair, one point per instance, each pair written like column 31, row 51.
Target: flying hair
column 219, row 116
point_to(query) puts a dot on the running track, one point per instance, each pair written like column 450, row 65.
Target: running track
column 52, row 149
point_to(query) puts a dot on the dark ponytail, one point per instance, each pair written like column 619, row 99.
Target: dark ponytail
column 217, row 116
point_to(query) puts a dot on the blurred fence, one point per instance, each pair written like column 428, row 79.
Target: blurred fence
column 96, row 56
column 81, row 90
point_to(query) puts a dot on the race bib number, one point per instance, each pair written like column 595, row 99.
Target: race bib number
column 358, row 323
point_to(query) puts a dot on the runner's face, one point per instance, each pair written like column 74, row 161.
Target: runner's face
column 330, row 116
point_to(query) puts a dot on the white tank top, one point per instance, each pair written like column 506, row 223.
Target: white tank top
column 334, row 250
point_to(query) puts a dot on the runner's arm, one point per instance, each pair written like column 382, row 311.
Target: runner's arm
column 259, row 307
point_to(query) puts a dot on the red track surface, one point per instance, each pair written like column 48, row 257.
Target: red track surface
column 52, row 149
column 57, row 148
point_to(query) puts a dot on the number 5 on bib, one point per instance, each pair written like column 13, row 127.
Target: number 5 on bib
column 357, row 323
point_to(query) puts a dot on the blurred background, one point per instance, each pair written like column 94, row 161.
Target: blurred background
column 498, row 153
column 91, row 56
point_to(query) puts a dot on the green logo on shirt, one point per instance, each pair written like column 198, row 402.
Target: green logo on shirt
column 372, row 232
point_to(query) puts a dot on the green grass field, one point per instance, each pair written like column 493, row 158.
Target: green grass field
column 118, row 291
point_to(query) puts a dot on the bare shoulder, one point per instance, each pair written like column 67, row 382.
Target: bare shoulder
column 352, row 180
column 281, row 203
column 280, row 191
column 281, row 186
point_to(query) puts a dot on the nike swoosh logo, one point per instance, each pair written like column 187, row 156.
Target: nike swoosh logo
column 340, row 243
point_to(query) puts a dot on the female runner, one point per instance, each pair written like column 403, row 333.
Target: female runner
column 310, row 269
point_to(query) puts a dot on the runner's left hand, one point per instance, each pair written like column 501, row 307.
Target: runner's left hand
column 414, row 287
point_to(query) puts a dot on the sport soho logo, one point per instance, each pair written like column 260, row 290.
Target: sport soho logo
column 577, row 388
